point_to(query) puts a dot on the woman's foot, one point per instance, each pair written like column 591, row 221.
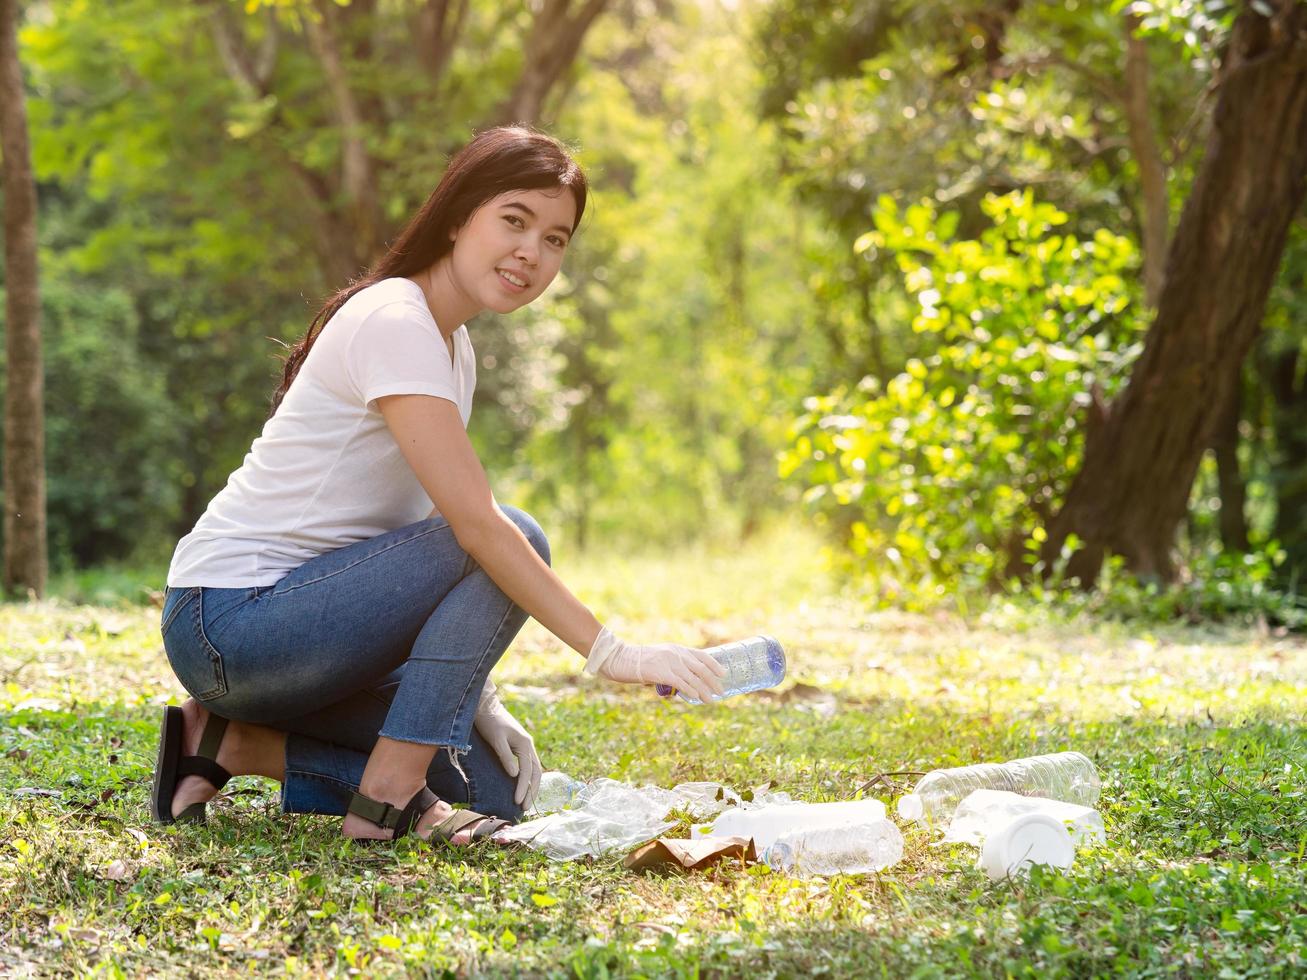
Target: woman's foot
column 245, row 750
column 357, row 827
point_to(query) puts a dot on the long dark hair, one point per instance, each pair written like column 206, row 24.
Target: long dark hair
column 506, row 158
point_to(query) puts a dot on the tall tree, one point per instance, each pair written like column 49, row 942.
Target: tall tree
column 24, row 458
column 352, row 46
column 1142, row 452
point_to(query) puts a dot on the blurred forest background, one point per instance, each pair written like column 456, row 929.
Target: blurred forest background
column 885, row 267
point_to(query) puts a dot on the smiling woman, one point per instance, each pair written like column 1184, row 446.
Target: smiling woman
column 333, row 630
column 509, row 252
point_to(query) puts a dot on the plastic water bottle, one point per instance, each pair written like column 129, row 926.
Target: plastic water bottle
column 751, row 665
column 767, row 824
column 852, row 849
column 1067, row 776
column 556, row 791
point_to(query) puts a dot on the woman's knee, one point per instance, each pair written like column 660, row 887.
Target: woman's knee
column 531, row 528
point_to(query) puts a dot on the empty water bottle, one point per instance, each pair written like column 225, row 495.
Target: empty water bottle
column 1067, row 776
column 852, row 849
column 751, row 665
column 556, row 791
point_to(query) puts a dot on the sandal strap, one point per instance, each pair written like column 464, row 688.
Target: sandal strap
column 205, row 762
column 489, row 826
column 192, row 814
column 459, row 819
column 197, row 765
column 211, row 737
column 400, row 820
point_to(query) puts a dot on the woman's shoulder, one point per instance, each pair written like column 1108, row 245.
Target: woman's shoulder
column 385, row 292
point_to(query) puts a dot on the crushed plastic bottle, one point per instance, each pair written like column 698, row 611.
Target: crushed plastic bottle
column 1067, row 776
column 986, row 810
column 859, row 848
column 556, row 791
column 766, row 824
column 751, row 665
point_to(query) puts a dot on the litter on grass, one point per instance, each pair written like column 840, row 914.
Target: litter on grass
column 690, row 855
column 575, row 820
column 606, row 816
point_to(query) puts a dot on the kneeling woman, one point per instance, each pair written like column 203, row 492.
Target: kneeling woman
column 334, row 630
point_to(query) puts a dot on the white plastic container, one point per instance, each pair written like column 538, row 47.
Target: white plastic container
column 850, row 849
column 1026, row 839
column 767, row 823
column 985, row 809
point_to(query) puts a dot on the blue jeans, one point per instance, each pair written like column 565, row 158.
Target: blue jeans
column 392, row 636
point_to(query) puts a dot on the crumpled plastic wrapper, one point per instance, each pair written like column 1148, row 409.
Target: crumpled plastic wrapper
column 607, row 815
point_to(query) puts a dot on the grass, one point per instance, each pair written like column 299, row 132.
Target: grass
column 1198, row 733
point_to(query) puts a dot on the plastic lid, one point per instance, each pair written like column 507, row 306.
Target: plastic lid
column 1029, row 838
column 910, row 807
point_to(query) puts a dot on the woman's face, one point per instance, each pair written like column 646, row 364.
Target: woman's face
column 511, row 248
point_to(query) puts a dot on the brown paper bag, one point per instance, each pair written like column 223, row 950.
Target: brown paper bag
column 691, row 855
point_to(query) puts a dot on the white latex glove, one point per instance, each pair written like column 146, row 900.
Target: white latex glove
column 511, row 742
column 693, row 671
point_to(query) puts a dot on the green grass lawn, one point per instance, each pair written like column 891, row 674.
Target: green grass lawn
column 1198, row 733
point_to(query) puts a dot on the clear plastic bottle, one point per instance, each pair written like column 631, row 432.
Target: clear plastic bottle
column 1067, row 776
column 557, row 790
column 852, row 849
column 751, row 665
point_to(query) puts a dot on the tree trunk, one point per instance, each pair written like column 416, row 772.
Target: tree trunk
column 1132, row 492
column 25, row 556
column 1280, row 379
column 551, row 48
column 1229, row 478
column 436, row 28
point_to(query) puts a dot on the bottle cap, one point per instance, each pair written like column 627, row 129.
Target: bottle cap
column 910, row 807
column 1029, row 838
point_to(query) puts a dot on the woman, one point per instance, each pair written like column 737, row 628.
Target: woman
column 333, row 630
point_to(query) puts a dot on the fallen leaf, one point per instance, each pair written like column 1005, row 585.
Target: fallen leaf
column 116, row 871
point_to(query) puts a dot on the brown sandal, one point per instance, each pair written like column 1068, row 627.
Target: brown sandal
column 401, row 820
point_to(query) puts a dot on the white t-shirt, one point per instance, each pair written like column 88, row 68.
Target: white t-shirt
column 326, row 471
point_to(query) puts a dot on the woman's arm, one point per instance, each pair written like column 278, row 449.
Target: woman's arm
column 430, row 433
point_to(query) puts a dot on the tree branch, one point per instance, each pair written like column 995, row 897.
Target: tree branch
column 551, row 48
column 1148, row 158
column 435, row 31
column 251, row 72
column 358, row 175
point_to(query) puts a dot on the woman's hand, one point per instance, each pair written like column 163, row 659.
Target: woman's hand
column 512, row 743
column 684, row 668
